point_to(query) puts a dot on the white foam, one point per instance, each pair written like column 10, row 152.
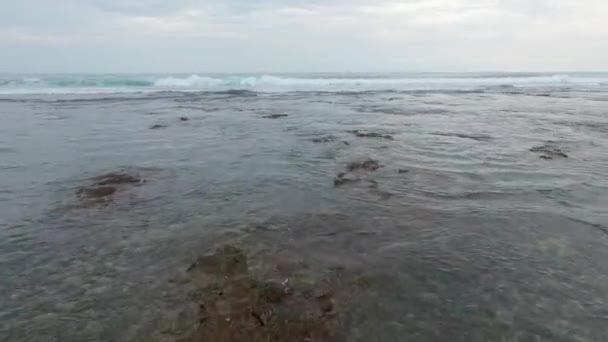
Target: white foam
column 188, row 82
column 274, row 83
column 278, row 81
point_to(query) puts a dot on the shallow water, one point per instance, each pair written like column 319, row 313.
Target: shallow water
column 481, row 240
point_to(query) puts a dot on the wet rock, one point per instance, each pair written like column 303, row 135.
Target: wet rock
column 549, row 152
column 96, row 193
column 343, row 179
column 402, row 171
column 273, row 292
column 275, row 116
column 227, row 260
column 362, row 134
column 104, row 187
column 116, row 178
column 158, row 126
column 476, row 137
column 373, row 184
column 384, row 195
column 368, row 165
column 324, row 139
column 184, row 118
column 235, row 306
column 326, row 303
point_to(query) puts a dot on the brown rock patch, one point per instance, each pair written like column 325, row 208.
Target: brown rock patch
column 104, row 187
column 236, row 306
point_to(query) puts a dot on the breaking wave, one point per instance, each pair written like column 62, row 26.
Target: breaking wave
column 311, row 82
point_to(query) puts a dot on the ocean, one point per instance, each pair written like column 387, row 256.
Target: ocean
column 412, row 206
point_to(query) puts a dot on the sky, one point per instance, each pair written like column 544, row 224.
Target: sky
column 109, row 36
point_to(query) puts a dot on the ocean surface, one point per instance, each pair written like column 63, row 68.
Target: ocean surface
column 486, row 219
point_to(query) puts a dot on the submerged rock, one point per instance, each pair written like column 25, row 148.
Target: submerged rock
column 273, row 292
column 96, row 193
column 158, row 126
column 235, row 306
column 549, row 152
column 362, row 134
column 184, row 118
column 368, row 165
column 347, row 177
column 326, row 139
column 342, row 179
column 326, row 303
column 116, row 178
column 402, row 171
column 227, row 261
column 104, row 187
column 476, row 137
column 373, row 184
column 384, row 195
column 275, row 116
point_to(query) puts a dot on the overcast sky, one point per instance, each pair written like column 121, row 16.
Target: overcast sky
column 298, row 35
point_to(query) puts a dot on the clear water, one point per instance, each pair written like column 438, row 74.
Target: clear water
column 481, row 240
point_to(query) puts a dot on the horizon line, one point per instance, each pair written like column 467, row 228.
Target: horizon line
column 291, row 72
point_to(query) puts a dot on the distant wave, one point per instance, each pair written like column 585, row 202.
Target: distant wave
column 332, row 82
column 188, row 82
column 70, row 82
column 195, row 81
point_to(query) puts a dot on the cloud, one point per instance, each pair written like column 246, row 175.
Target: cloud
column 143, row 7
column 192, row 23
column 37, row 38
column 321, row 35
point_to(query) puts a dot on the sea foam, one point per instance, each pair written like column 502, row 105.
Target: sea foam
column 37, row 84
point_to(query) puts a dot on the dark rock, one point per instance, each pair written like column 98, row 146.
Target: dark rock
column 238, row 307
column 361, row 134
column 275, row 116
column 368, row 165
column 158, row 126
column 96, row 193
column 273, row 293
column 184, row 118
column 326, row 303
column 103, row 188
column 116, row 179
column 384, row 195
column 342, row 179
column 401, row 171
column 476, row 137
column 324, row 139
column 549, row 152
column 373, row 184
column 226, row 261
